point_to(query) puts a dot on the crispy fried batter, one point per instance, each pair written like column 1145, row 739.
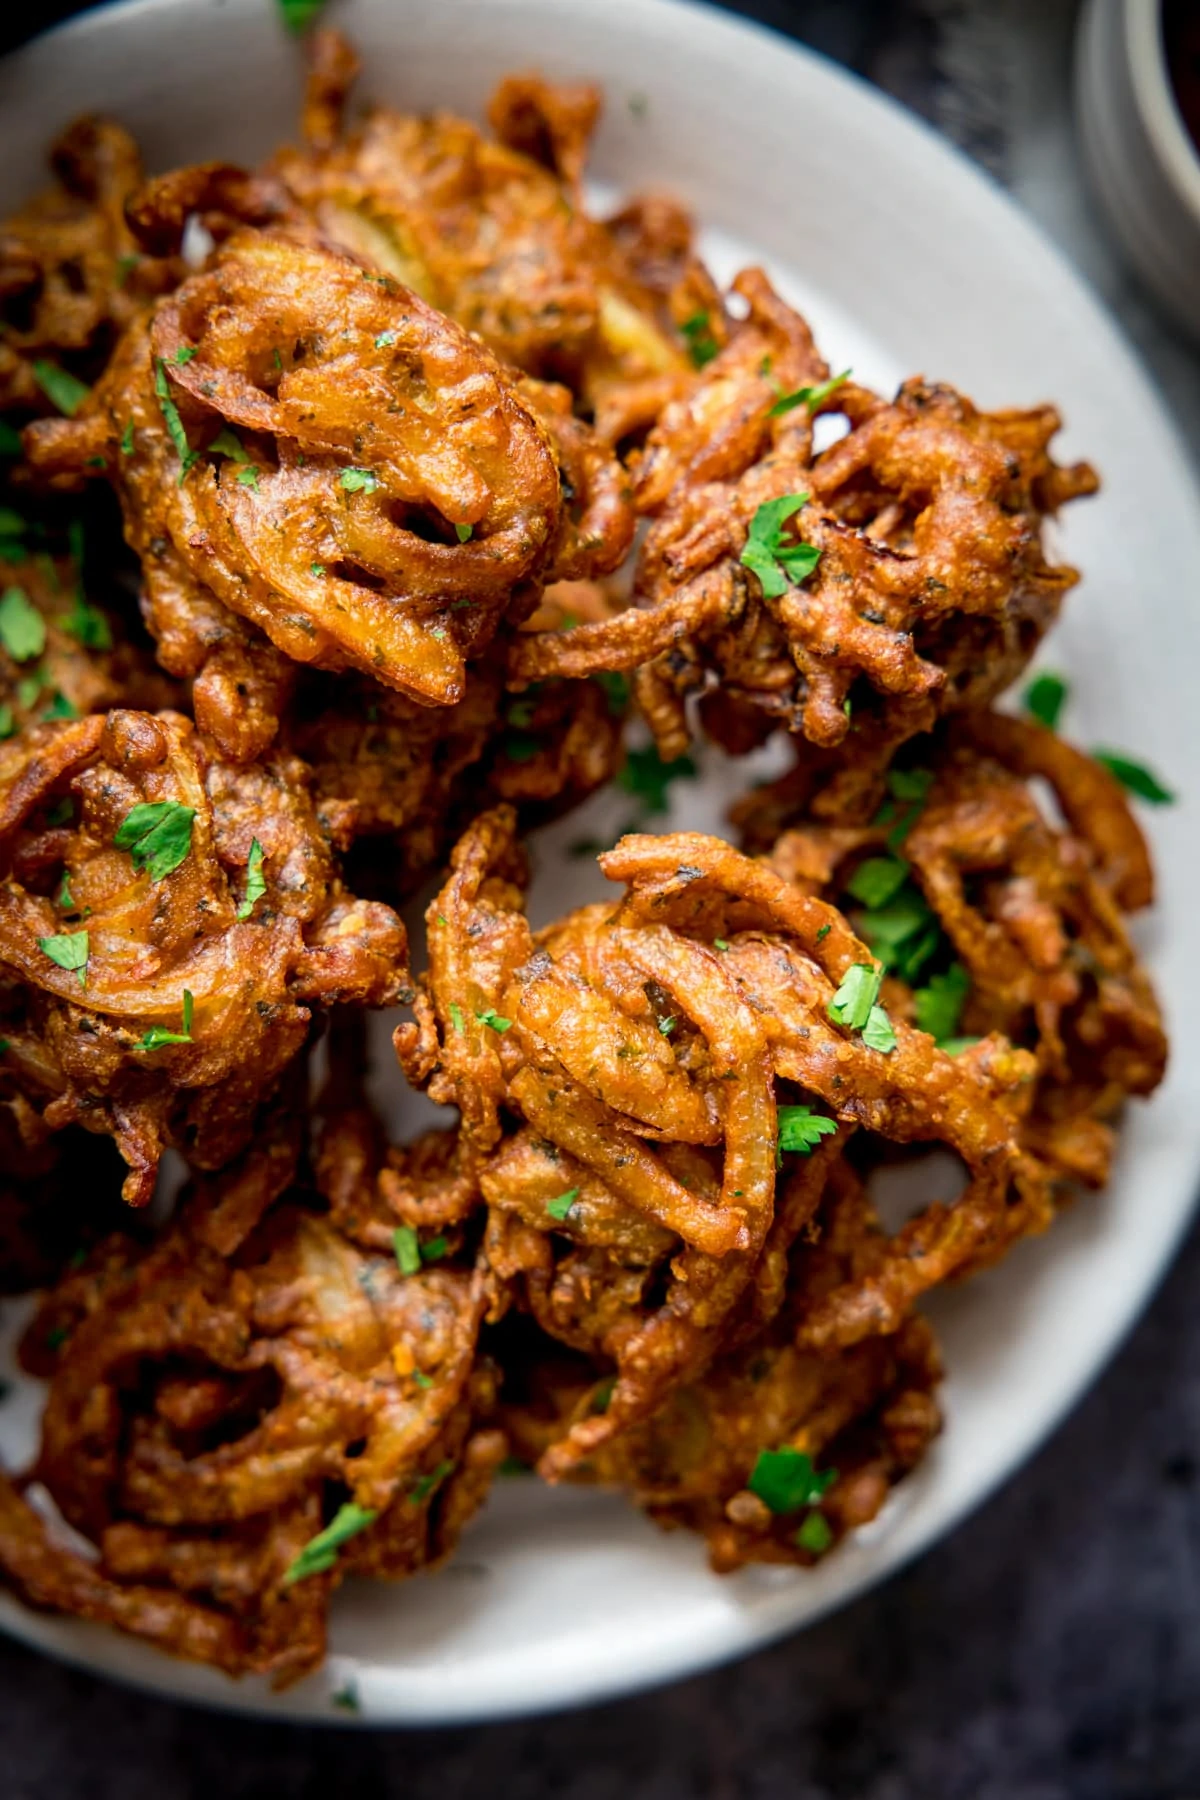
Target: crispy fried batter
column 208, row 1412
column 71, row 275
column 932, row 588
column 76, row 1035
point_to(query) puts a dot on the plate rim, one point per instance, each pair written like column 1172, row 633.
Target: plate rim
column 751, row 1631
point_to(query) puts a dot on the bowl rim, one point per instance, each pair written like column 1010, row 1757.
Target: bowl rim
column 1154, row 93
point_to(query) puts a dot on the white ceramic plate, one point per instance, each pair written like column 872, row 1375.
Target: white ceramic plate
column 908, row 260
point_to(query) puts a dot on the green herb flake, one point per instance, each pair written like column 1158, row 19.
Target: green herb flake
column 456, row 1018
column 56, row 1337
column 407, row 1247
column 61, row 812
column 463, row 533
column 938, row 1007
column 228, row 443
column 667, row 1026
column 320, row 1553
column 317, row 569
column 87, row 624
column 346, row 1699
column 801, row 1130
column 248, row 476
column 785, row 1480
column 69, row 951
column 811, row 397
column 158, row 1035
column 904, row 934
column 602, row 1395
column 157, row 835
column 10, row 439
column 697, row 333
column 425, row 1485
column 720, row 943
column 127, row 439
column 878, row 1032
column 1045, row 698
column 298, row 15
column 125, row 266
column 60, row 388
column 359, row 481
column 815, row 1534
column 1135, row 777
column 256, row 885
column 8, row 720
column 823, row 933
column 385, row 340
column 183, row 355
column 878, row 880
column 645, row 774
column 778, row 565
column 435, row 1249
column 171, row 418
column 64, row 897
column 493, row 1021
column 954, row 1046
column 22, row 627
column 616, row 690
column 859, row 990
column 559, row 1207
column 60, row 707
column 28, row 690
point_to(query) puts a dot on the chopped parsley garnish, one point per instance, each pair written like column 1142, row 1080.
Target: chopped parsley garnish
column 298, row 15
column 956, row 1045
column 228, row 443
column 493, row 1020
column 60, row 707
column 385, row 340
column 157, row 835
column 158, row 1035
column 61, row 812
column 697, row 333
column 317, row 569
column 456, row 1018
column 8, row 720
column 878, row 880
column 172, row 420
column 904, row 934
column 359, row 481
column 1135, row 777
column 248, row 476
column 667, row 1026
column 435, row 1249
column 785, row 1480
column 28, row 689
column 645, row 774
column 778, row 565
column 60, row 388
column 859, row 991
column 801, row 1130
column 424, row 1485
column 256, row 886
column 22, row 627
column 616, row 690
column 10, row 439
column 720, row 943
column 559, row 1207
column 815, row 1534
column 908, row 790
column 346, row 1699
column 320, row 1553
column 87, row 624
column 69, row 951
column 823, row 933
column 812, row 397
column 602, row 1395
column 938, row 1006
column 127, row 439
column 422, row 1379
column 1045, row 698
column 463, row 532
column 407, row 1247
column 183, row 355
column 878, row 1032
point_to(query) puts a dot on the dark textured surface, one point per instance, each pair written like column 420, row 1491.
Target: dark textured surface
column 1049, row 1651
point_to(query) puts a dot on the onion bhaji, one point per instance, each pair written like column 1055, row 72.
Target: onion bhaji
column 852, row 595
column 167, row 923
column 425, row 469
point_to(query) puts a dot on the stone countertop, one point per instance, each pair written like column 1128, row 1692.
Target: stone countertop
column 1049, row 1649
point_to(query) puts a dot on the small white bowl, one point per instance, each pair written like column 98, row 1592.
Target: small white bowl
column 1142, row 163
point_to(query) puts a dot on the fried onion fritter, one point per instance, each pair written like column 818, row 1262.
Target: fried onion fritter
column 162, row 968
column 851, row 595
column 210, row 1413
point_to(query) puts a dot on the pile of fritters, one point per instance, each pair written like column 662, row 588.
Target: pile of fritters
column 323, row 584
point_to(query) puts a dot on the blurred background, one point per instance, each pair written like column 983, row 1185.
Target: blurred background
column 1049, row 1650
